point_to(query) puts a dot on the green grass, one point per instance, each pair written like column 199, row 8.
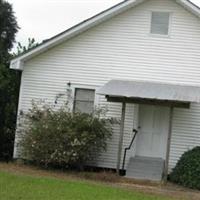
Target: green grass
column 23, row 187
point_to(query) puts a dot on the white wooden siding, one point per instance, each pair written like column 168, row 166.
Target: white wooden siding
column 123, row 48
column 186, row 132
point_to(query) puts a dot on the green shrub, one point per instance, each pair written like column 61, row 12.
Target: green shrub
column 187, row 170
column 61, row 138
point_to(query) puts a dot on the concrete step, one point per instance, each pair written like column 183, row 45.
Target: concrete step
column 145, row 168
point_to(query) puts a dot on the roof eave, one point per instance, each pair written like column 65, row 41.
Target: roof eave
column 188, row 5
column 17, row 63
column 72, row 32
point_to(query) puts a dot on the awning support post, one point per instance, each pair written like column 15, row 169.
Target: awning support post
column 121, row 136
column 168, row 144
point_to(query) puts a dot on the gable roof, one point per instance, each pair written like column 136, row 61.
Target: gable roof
column 17, row 62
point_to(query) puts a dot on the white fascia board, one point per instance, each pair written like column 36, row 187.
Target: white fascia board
column 17, row 63
column 188, row 5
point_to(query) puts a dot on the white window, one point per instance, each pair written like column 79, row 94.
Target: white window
column 84, row 100
column 160, row 23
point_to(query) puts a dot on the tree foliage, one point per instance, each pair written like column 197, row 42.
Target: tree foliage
column 23, row 49
column 8, row 30
column 9, row 80
column 9, row 88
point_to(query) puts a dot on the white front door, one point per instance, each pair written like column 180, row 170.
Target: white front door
column 153, row 132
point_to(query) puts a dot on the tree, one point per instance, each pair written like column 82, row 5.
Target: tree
column 23, row 49
column 9, row 80
column 8, row 30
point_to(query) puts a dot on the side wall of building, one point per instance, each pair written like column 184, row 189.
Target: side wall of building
column 123, row 48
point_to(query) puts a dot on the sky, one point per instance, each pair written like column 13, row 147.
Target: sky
column 42, row 19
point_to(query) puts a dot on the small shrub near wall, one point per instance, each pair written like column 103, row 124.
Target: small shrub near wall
column 187, row 170
column 61, row 138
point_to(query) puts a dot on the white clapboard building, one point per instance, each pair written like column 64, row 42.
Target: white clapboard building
column 140, row 59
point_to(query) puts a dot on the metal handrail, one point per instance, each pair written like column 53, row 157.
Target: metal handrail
column 128, row 148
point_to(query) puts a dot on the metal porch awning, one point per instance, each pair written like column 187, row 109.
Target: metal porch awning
column 150, row 92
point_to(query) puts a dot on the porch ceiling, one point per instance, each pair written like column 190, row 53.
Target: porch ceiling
column 150, row 92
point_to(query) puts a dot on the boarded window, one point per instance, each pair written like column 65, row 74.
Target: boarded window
column 160, row 23
column 84, row 100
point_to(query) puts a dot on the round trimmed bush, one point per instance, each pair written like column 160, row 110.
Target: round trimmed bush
column 187, row 170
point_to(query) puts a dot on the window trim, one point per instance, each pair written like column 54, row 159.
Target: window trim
column 170, row 24
column 82, row 88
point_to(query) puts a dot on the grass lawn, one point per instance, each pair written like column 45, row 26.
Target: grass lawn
column 27, row 187
column 25, row 182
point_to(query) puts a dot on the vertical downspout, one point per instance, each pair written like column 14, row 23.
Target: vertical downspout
column 121, row 136
column 168, row 143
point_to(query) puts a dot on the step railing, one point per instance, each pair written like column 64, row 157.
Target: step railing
column 129, row 147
